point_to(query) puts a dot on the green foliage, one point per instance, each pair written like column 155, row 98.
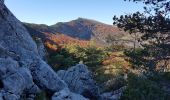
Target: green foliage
column 110, row 39
column 114, row 84
column 140, row 57
column 166, row 75
column 140, row 88
column 71, row 54
column 42, row 96
column 153, row 25
column 61, row 59
column 115, row 47
column 90, row 55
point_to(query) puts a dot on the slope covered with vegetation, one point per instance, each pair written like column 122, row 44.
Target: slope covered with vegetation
column 85, row 29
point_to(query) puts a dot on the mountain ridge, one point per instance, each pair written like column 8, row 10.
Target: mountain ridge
column 81, row 28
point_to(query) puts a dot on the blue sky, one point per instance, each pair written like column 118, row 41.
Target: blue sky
column 53, row 11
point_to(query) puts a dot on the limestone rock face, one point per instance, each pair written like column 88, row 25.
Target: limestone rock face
column 79, row 80
column 22, row 70
column 41, row 49
column 15, row 80
column 46, row 78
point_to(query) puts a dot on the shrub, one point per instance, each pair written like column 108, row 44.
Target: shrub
column 116, row 47
column 113, row 84
column 42, row 96
column 140, row 88
column 61, row 59
column 138, row 58
column 90, row 55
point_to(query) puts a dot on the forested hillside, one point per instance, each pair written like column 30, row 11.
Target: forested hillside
column 85, row 29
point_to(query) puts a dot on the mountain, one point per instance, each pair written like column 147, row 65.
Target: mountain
column 83, row 29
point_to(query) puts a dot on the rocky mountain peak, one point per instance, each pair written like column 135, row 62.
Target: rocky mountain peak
column 81, row 28
column 80, row 19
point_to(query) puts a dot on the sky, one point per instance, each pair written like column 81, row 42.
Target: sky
column 52, row 11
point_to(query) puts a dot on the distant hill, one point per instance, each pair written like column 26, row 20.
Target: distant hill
column 82, row 29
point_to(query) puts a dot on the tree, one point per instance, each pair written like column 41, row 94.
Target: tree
column 154, row 26
column 90, row 55
column 140, row 88
column 61, row 59
column 110, row 39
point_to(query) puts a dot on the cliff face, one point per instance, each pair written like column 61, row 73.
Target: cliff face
column 22, row 71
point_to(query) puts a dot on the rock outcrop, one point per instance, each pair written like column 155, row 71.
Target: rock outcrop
column 16, row 80
column 41, row 49
column 65, row 94
column 113, row 95
column 22, row 71
column 80, row 80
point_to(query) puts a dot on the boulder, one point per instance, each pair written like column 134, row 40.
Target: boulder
column 46, row 78
column 65, row 94
column 80, row 80
column 8, row 96
column 15, row 80
column 113, row 95
column 7, row 67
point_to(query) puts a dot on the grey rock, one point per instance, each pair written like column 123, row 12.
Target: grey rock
column 1, row 98
column 4, row 95
column 113, row 95
column 16, row 80
column 46, row 78
column 65, row 94
column 7, row 67
column 1, row 1
column 80, row 80
column 110, row 96
column 9, row 96
column 41, row 49
column 1, row 4
column 14, row 83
